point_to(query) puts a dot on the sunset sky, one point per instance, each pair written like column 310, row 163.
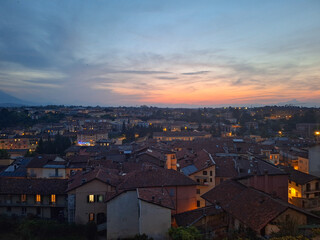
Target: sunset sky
column 161, row 53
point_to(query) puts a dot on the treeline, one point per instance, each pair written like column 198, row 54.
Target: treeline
column 56, row 146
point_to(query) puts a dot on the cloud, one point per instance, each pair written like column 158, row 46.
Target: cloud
column 196, row 73
column 142, row 72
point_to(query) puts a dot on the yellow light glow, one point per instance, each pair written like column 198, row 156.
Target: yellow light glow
column 317, row 133
column 296, row 168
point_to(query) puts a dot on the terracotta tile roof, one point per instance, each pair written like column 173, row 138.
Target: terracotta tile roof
column 40, row 160
column 190, row 217
column 32, row 186
column 153, row 176
column 247, row 167
column 200, row 161
column 299, row 177
column 108, row 176
column 252, row 207
column 156, row 196
column 225, row 167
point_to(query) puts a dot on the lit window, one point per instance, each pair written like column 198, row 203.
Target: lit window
column 23, row 198
column 38, row 198
column 53, row 198
column 91, row 198
column 100, row 198
column 91, row 217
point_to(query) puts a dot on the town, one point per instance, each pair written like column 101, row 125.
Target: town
column 160, row 173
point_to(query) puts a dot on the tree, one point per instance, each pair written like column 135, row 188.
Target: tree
column 185, row 233
column 4, row 154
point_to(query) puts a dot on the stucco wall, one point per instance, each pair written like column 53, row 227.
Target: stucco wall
column 155, row 221
column 83, row 208
column 122, row 216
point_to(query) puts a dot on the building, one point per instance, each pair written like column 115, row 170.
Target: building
column 249, row 208
column 47, row 166
column 183, row 136
column 139, row 211
column 90, row 137
column 44, row 198
column 201, row 169
column 181, row 188
column 87, row 193
column 303, row 189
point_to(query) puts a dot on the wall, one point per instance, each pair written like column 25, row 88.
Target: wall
column 154, row 220
column 184, row 198
column 314, row 160
column 83, row 208
column 122, row 216
column 271, row 184
column 204, row 187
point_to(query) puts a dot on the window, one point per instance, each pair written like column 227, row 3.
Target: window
column 38, row 210
column 307, row 195
column 308, row 186
column 210, row 173
column 91, row 217
column 317, row 185
column 23, row 197
column 198, row 191
column 38, row 198
column 23, row 211
column 198, row 203
column 210, row 179
column 171, row 192
column 53, row 198
column 100, row 198
column 91, row 198
column 204, row 172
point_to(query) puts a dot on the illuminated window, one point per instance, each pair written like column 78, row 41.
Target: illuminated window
column 270, row 156
column 91, row 217
column 23, row 198
column 100, row 198
column 38, row 198
column 91, row 198
column 53, row 198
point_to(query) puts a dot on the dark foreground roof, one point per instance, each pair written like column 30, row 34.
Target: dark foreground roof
column 32, row 186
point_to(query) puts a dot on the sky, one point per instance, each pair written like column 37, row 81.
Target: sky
column 161, row 53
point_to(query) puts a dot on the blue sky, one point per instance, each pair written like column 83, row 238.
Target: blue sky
column 166, row 53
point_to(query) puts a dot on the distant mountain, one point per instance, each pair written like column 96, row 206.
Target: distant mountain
column 295, row 102
column 6, row 100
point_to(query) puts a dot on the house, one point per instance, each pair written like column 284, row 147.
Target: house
column 87, row 192
column 303, row 189
column 262, row 175
column 44, row 198
column 249, row 208
column 160, row 157
column 184, row 136
column 139, row 211
column 201, row 169
column 181, row 188
column 47, row 166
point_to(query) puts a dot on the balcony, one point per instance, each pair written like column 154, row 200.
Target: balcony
column 28, row 204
